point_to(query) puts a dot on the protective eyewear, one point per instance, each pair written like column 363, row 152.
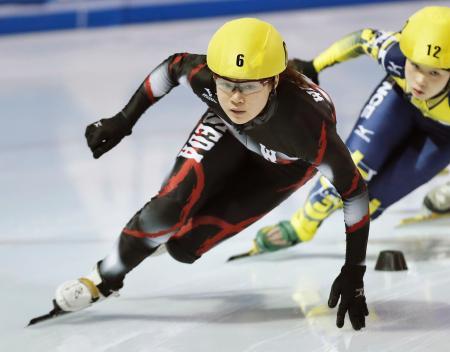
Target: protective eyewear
column 244, row 87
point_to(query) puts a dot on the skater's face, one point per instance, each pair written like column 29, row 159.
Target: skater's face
column 425, row 82
column 241, row 100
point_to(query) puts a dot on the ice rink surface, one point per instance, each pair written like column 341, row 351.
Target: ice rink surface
column 61, row 210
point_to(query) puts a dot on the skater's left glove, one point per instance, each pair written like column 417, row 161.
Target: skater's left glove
column 349, row 286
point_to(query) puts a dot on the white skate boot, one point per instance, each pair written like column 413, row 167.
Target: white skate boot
column 75, row 295
column 437, row 206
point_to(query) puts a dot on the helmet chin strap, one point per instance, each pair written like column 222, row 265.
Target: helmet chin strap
column 445, row 89
column 263, row 116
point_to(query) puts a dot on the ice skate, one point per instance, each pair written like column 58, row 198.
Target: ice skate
column 76, row 295
column 437, row 206
column 417, row 219
column 438, row 199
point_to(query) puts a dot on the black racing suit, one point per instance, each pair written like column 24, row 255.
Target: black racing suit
column 228, row 176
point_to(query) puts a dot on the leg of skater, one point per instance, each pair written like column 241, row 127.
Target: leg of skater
column 193, row 180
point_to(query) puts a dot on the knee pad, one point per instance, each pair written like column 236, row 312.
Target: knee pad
column 178, row 252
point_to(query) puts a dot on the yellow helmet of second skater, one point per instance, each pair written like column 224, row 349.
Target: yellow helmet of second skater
column 247, row 48
column 425, row 38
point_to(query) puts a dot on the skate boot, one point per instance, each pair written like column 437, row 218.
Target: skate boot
column 79, row 294
column 438, row 199
column 437, row 206
column 75, row 295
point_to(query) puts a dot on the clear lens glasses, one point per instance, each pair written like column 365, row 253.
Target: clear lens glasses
column 245, row 87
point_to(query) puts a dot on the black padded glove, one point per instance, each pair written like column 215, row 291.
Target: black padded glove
column 307, row 68
column 105, row 134
column 349, row 286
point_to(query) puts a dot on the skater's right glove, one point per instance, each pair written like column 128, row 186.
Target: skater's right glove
column 349, row 286
column 105, row 134
column 307, row 68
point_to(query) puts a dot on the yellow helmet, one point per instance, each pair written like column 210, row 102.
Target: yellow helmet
column 247, row 48
column 425, row 38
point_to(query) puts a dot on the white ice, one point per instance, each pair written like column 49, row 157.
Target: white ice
column 61, row 210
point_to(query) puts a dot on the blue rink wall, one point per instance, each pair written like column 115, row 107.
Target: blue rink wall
column 20, row 16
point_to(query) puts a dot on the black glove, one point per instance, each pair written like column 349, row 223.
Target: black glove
column 307, row 68
column 349, row 286
column 105, row 134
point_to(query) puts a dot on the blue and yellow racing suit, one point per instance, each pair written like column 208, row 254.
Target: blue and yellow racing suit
column 398, row 142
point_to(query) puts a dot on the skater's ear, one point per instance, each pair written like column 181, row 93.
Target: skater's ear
column 276, row 80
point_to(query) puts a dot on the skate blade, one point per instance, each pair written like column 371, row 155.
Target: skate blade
column 250, row 253
column 55, row 312
column 422, row 218
column 239, row 256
